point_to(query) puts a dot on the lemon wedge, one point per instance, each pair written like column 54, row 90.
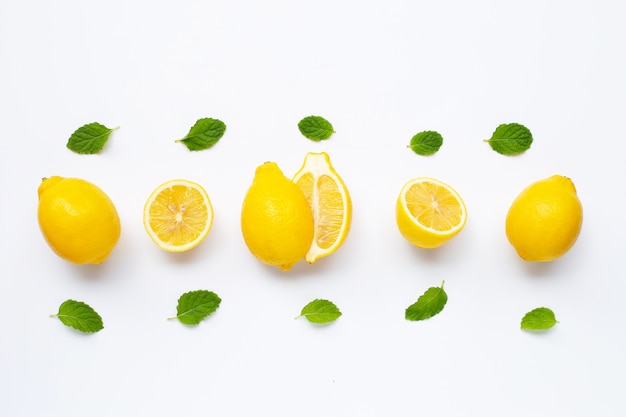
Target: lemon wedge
column 330, row 203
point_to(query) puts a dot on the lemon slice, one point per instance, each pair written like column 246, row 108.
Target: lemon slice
column 330, row 203
column 429, row 212
column 178, row 215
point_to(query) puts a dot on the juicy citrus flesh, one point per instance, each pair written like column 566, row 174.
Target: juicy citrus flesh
column 429, row 212
column 276, row 219
column 330, row 204
column 77, row 219
column 545, row 219
column 178, row 215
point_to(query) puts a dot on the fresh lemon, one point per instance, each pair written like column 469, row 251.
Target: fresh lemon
column 77, row 219
column 429, row 212
column 545, row 219
column 330, row 203
column 178, row 215
column 276, row 219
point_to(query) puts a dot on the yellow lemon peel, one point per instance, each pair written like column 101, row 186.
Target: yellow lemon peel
column 330, row 204
column 77, row 219
column 545, row 219
column 276, row 219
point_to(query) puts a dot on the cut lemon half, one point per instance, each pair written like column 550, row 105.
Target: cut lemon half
column 178, row 215
column 330, row 203
column 429, row 212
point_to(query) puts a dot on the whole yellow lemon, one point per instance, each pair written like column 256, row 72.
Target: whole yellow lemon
column 276, row 219
column 77, row 219
column 545, row 219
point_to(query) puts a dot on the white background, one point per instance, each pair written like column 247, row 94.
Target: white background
column 380, row 72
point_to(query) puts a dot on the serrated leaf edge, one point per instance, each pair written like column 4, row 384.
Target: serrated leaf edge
column 326, row 303
column 317, row 121
column 189, row 137
column 425, row 133
column 188, row 293
column 90, row 309
column 553, row 316
column 76, row 136
column 493, row 140
column 421, row 296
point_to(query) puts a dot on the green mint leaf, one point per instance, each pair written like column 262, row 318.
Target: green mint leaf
column 541, row 318
column 510, row 139
column 426, row 143
column 89, row 138
column 315, row 128
column 80, row 316
column 427, row 305
column 204, row 134
column 320, row 311
column 195, row 306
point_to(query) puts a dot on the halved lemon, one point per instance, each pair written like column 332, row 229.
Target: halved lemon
column 178, row 215
column 429, row 212
column 330, row 203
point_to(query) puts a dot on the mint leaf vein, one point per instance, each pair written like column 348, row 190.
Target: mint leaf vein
column 426, row 143
column 315, row 128
column 320, row 311
column 79, row 316
column 205, row 133
column 89, row 138
column 427, row 305
column 510, row 139
column 541, row 318
column 195, row 306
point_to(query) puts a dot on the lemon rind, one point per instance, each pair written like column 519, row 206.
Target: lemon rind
column 318, row 164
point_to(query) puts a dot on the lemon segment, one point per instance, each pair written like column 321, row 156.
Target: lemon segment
column 330, row 204
column 77, row 219
column 276, row 220
column 178, row 215
column 545, row 219
column 429, row 212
